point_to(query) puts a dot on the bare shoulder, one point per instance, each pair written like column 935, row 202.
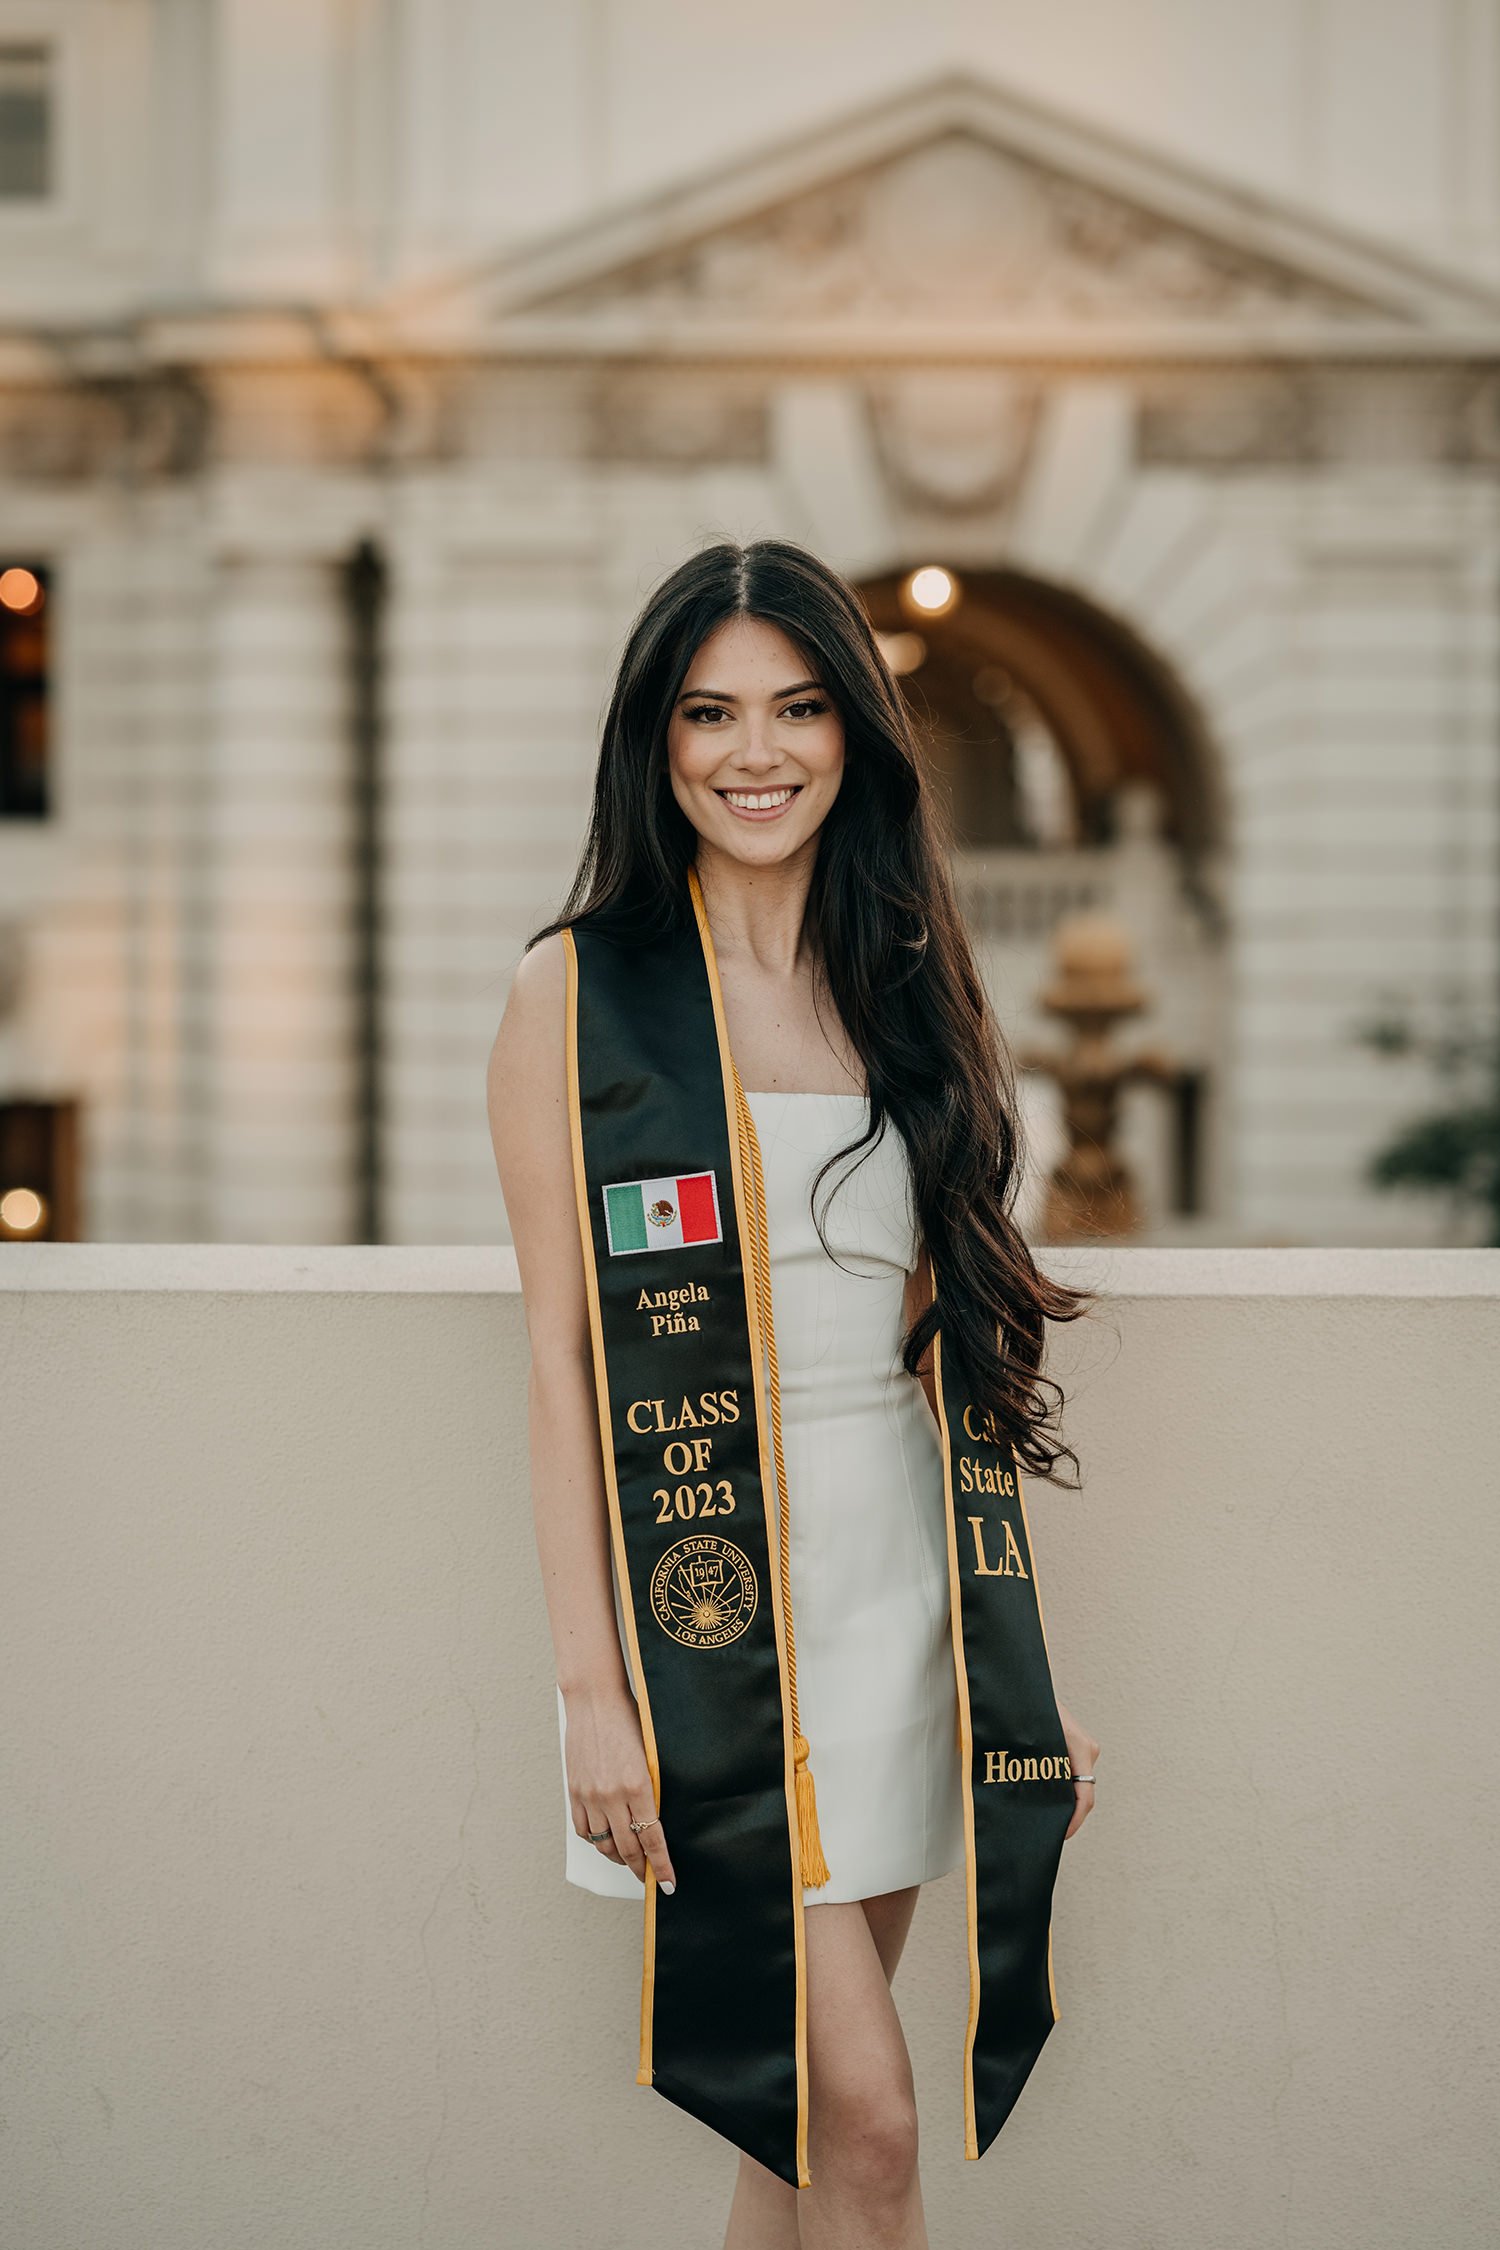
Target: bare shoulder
column 528, row 1052
column 527, row 1094
column 526, row 1082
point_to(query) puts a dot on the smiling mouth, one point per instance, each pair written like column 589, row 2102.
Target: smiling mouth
column 759, row 804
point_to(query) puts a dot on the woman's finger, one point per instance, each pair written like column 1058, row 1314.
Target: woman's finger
column 627, row 1841
column 606, row 1846
column 654, row 1840
column 1083, row 1805
column 589, row 1824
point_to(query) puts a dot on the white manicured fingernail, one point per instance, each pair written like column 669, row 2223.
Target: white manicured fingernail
column 669, row 1888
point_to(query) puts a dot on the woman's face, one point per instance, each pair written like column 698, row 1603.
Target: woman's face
column 755, row 746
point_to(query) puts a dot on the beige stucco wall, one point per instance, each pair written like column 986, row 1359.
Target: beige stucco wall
column 287, row 1958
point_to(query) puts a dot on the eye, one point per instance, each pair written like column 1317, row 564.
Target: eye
column 706, row 711
column 808, row 705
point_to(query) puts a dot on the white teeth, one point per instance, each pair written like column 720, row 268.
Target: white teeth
column 758, row 800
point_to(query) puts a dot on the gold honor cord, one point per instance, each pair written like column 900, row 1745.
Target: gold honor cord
column 814, row 1866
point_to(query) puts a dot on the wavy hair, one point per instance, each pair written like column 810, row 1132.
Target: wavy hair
column 889, row 942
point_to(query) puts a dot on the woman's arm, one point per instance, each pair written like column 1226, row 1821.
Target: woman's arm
column 608, row 1778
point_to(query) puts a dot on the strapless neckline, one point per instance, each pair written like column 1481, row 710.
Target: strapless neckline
column 789, row 1094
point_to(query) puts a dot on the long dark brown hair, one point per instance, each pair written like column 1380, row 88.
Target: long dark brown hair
column 889, row 941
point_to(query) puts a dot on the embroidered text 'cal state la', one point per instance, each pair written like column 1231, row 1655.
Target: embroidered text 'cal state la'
column 662, row 1214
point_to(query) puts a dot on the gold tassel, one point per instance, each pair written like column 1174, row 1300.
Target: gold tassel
column 814, row 1865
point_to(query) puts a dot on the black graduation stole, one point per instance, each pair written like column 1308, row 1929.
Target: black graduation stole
column 672, row 1215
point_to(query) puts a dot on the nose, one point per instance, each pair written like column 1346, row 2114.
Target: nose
column 760, row 751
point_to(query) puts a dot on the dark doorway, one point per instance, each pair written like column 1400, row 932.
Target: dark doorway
column 39, row 1187
column 1037, row 708
column 25, row 683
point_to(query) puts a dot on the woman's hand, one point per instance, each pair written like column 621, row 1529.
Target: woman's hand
column 1082, row 1752
column 609, row 1782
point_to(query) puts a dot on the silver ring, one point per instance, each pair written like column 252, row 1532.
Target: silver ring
column 599, row 1839
column 1083, row 1777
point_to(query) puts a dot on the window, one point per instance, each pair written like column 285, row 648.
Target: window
column 1189, row 1093
column 38, row 1172
column 25, row 655
column 25, row 124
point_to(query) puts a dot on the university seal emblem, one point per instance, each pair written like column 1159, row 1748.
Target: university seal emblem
column 703, row 1591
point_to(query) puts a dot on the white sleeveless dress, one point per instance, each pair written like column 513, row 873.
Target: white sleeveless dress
column 869, row 1568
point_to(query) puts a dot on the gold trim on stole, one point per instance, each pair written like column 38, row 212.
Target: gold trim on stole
column 966, row 1738
column 643, row 2076
column 966, row 1745
column 748, row 1255
column 1036, row 1593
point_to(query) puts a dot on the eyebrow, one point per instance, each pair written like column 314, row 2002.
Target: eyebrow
column 718, row 695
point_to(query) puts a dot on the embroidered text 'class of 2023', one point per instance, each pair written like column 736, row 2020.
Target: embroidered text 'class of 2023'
column 662, row 1214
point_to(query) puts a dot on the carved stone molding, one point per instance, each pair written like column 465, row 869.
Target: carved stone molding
column 954, row 439
column 955, row 230
column 1328, row 415
column 57, row 436
column 1475, row 425
column 12, row 968
column 679, row 418
column 1240, row 419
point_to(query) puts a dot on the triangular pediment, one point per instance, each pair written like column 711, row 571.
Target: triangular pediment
column 952, row 211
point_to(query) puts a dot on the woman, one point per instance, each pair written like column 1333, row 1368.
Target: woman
column 756, row 735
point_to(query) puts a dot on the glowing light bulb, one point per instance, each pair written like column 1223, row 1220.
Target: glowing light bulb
column 22, row 1210
column 932, row 589
column 19, row 589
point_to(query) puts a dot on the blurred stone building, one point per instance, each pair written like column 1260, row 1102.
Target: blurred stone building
column 363, row 365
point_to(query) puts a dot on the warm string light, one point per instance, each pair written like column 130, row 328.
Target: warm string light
column 20, row 590
column 22, row 1211
column 931, row 590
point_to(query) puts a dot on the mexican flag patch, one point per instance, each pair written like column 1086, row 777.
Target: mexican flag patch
column 662, row 1214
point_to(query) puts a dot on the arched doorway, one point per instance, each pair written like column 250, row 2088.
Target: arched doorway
column 1040, row 708
column 1078, row 775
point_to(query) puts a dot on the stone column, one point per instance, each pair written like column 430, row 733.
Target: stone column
column 1367, row 841
column 497, row 667
column 276, row 974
